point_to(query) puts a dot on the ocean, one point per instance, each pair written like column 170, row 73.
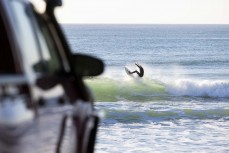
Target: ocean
column 182, row 102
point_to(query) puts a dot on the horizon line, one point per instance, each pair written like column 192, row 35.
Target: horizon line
column 147, row 23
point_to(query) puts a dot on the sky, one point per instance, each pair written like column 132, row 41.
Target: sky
column 144, row 12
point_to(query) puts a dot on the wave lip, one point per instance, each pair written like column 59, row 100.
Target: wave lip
column 199, row 88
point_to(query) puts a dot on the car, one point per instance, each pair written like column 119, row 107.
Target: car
column 37, row 70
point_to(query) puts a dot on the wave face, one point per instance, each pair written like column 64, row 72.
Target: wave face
column 108, row 89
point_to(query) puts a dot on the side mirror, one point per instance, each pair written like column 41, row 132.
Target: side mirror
column 53, row 3
column 84, row 65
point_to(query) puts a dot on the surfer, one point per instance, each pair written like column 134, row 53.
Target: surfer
column 140, row 74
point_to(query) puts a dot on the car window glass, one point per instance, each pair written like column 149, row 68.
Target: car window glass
column 7, row 65
column 26, row 35
column 49, row 51
column 36, row 41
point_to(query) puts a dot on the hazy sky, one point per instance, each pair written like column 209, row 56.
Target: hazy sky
column 145, row 11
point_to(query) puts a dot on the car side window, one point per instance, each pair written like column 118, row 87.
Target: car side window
column 49, row 50
column 34, row 38
column 7, row 64
column 25, row 34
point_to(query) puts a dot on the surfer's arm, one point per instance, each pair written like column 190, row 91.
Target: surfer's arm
column 138, row 65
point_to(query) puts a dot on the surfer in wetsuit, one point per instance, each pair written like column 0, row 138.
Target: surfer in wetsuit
column 140, row 73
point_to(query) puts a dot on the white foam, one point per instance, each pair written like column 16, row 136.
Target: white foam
column 192, row 87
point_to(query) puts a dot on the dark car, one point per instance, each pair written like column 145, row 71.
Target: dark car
column 37, row 70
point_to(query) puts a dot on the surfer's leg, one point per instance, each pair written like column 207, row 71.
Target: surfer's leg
column 134, row 72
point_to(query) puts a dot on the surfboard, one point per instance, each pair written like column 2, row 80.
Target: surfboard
column 127, row 71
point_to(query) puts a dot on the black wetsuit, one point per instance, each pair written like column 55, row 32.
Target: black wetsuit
column 140, row 74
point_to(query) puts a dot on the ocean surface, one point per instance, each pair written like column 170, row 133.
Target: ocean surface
column 182, row 102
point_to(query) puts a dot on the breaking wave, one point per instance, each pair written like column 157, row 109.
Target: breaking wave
column 107, row 89
column 113, row 90
column 199, row 88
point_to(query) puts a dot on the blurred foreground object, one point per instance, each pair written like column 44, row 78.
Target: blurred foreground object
column 37, row 68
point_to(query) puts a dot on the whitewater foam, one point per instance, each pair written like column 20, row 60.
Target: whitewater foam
column 199, row 88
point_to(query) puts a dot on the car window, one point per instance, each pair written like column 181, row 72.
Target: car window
column 7, row 65
column 25, row 33
column 35, row 40
column 48, row 47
